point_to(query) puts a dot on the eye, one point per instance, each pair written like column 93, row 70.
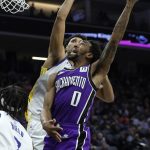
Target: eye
column 82, row 43
column 73, row 40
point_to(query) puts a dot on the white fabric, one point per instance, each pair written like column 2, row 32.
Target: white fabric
column 13, row 135
column 38, row 92
column 13, row 6
column 37, row 133
column 35, row 105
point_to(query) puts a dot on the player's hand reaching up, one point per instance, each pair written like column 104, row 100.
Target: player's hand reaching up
column 52, row 129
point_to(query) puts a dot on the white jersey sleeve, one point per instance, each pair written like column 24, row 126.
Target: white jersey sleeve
column 13, row 135
column 36, row 96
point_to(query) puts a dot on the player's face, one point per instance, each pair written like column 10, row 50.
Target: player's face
column 77, row 47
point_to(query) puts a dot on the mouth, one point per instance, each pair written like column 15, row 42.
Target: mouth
column 72, row 53
column 75, row 49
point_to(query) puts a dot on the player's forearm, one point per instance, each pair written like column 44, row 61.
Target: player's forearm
column 65, row 9
column 45, row 115
column 56, row 47
column 120, row 27
column 109, row 52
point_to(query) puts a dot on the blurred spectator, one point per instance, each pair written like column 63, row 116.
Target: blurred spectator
column 32, row 10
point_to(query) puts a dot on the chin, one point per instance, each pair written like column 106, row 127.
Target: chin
column 72, row 57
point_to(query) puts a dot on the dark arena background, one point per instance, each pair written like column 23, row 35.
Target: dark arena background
column 24, row 40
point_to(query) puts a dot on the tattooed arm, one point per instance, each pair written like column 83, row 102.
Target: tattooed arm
column 102, row 66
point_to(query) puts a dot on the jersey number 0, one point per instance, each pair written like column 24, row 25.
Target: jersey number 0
column 75, row 98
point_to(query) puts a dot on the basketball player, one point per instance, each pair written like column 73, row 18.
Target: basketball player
column 56, row 61
column 70, row 93
column 13, row 104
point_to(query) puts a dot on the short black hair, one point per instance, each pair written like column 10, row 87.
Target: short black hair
column 95, row 49
column 74, row 35
column 13, row 100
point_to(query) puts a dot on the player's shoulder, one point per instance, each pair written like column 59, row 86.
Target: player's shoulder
column 3, row 119
column 59, row 66
column 64, row 62
column 2, row 114
column 43, row 70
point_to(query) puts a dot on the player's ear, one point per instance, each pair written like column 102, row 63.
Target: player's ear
column 89, row 55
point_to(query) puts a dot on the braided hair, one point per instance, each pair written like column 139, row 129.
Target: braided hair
column 13, row 100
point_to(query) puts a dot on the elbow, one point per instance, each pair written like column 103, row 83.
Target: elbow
column 110, row 99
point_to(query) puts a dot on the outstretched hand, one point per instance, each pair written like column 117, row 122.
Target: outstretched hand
column 52, row 129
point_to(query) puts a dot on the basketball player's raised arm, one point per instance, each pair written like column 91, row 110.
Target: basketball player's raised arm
column 56, row 50
column 105, row 92
column 49, row 123
column 102, row 66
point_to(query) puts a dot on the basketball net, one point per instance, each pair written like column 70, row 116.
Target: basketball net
column 13, row 6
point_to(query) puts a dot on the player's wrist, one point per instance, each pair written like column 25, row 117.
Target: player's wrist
column 47, row 121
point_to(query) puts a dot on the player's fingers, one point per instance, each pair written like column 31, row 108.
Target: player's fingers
column 55, row 128
column 56, row 133
column 57, row 136
column 50, row 121
column 54, row 120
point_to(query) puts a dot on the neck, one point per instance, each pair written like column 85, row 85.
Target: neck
column 77, row 64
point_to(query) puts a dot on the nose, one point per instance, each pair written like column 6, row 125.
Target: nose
column 76, row 45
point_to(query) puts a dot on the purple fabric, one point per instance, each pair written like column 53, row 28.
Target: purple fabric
column 69, row 143
column 74, row 97
column 62, row 110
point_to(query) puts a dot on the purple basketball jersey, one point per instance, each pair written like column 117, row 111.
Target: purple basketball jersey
column 74, row 97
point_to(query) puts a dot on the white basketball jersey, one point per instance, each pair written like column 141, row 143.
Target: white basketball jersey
column 36, row 96
column 13, row 135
